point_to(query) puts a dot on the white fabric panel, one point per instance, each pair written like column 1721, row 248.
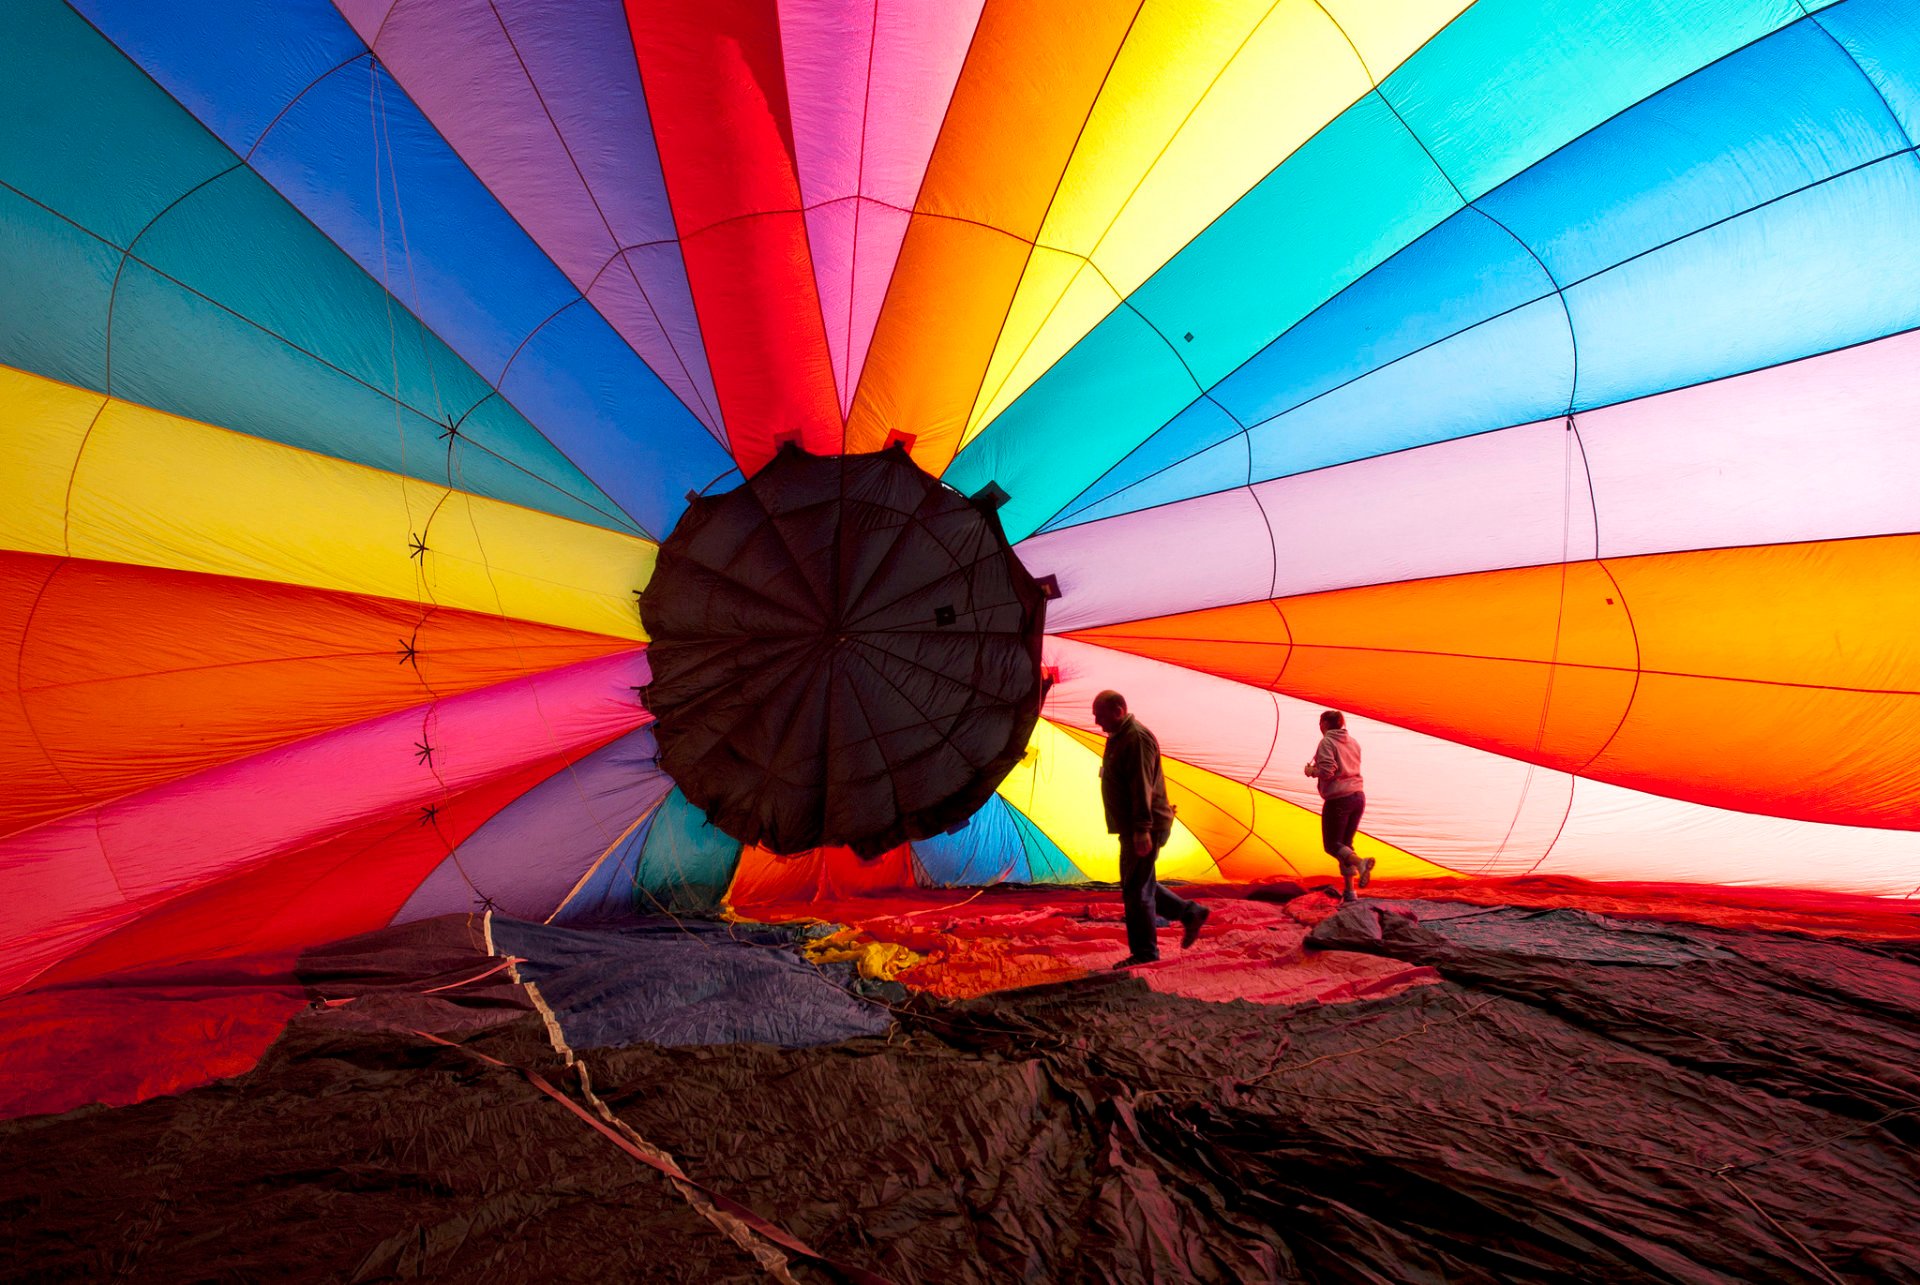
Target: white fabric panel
column 1473, row 811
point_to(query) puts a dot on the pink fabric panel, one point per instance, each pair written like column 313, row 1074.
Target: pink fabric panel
column 543, row 102
column 900, row 60
column 1511, row 498
column 1823, row 448
column 1456, row 806
column 1205, row 552
column 70, row 881
column 1617, row 833
column 1472, row 811
column 831, row 233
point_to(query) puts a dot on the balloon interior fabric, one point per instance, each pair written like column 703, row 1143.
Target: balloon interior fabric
column 843, row 651
column 1533, row 381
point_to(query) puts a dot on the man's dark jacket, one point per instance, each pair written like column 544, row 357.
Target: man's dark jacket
column 1131, row 783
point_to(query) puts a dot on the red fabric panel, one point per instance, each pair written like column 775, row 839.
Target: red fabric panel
column 353, row 883
column 199, row 987
column 765, row 881
column 718, row 96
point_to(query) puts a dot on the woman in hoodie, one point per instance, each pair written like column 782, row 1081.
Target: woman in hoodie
column 1336, row 768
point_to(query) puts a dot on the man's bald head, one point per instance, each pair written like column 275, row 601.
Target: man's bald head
column 1109, row 710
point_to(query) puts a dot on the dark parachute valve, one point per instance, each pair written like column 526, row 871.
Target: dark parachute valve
column 843, row 650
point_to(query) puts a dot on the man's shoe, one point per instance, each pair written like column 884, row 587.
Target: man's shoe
column 1347, row 898
column 1366, row 873
column 1134, row 961
column 1192, row 931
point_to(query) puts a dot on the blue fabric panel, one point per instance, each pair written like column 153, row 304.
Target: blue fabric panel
column 1883, row 39
column 684, row 983
column 1219, row 467
column 987, row 849
column 1835, row 265
column 356, row 156
column 1784, row 113
column 609, row 890
column 1201, row 425
column 247, row 317
column 1513, row 369
column 195, row 48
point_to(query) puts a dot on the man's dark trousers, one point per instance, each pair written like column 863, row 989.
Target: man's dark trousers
column 1142, row 895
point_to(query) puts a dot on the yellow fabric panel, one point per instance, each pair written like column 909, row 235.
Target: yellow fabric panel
column 1253, row 834
column 1388, row 32
column 42, row 425
column 156, row 490
column 1057, row 785
column 1203, row 102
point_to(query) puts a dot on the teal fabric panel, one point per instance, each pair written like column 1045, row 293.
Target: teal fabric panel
column 685, row 864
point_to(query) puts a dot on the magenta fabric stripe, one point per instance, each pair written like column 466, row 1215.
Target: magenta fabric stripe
column 544, row 104
column 1816, row 449
column 868, row 83
column 70, row 881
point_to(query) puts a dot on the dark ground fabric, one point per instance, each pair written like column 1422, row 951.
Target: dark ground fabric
column 1746, row 1112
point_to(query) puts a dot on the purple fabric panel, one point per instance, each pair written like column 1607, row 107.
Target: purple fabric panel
column 543, row 102
column 868, row 85
column 527, row 858
column 831, row 231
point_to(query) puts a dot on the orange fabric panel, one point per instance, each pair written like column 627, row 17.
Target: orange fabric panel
column 1031, row 76
column 131, row 676
column 1676, row 674
column 1812, row 713
column 1255, row 835
column 765, row 880
column 31, row 777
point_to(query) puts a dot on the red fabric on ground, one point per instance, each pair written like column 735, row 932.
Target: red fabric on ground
column 1006, row 938
column 141, row 1038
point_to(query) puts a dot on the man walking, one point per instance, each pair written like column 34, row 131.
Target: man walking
column 1135, row 794
column 1336, row 769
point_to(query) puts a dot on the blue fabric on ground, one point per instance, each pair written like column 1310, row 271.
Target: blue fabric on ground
column 685, row 982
